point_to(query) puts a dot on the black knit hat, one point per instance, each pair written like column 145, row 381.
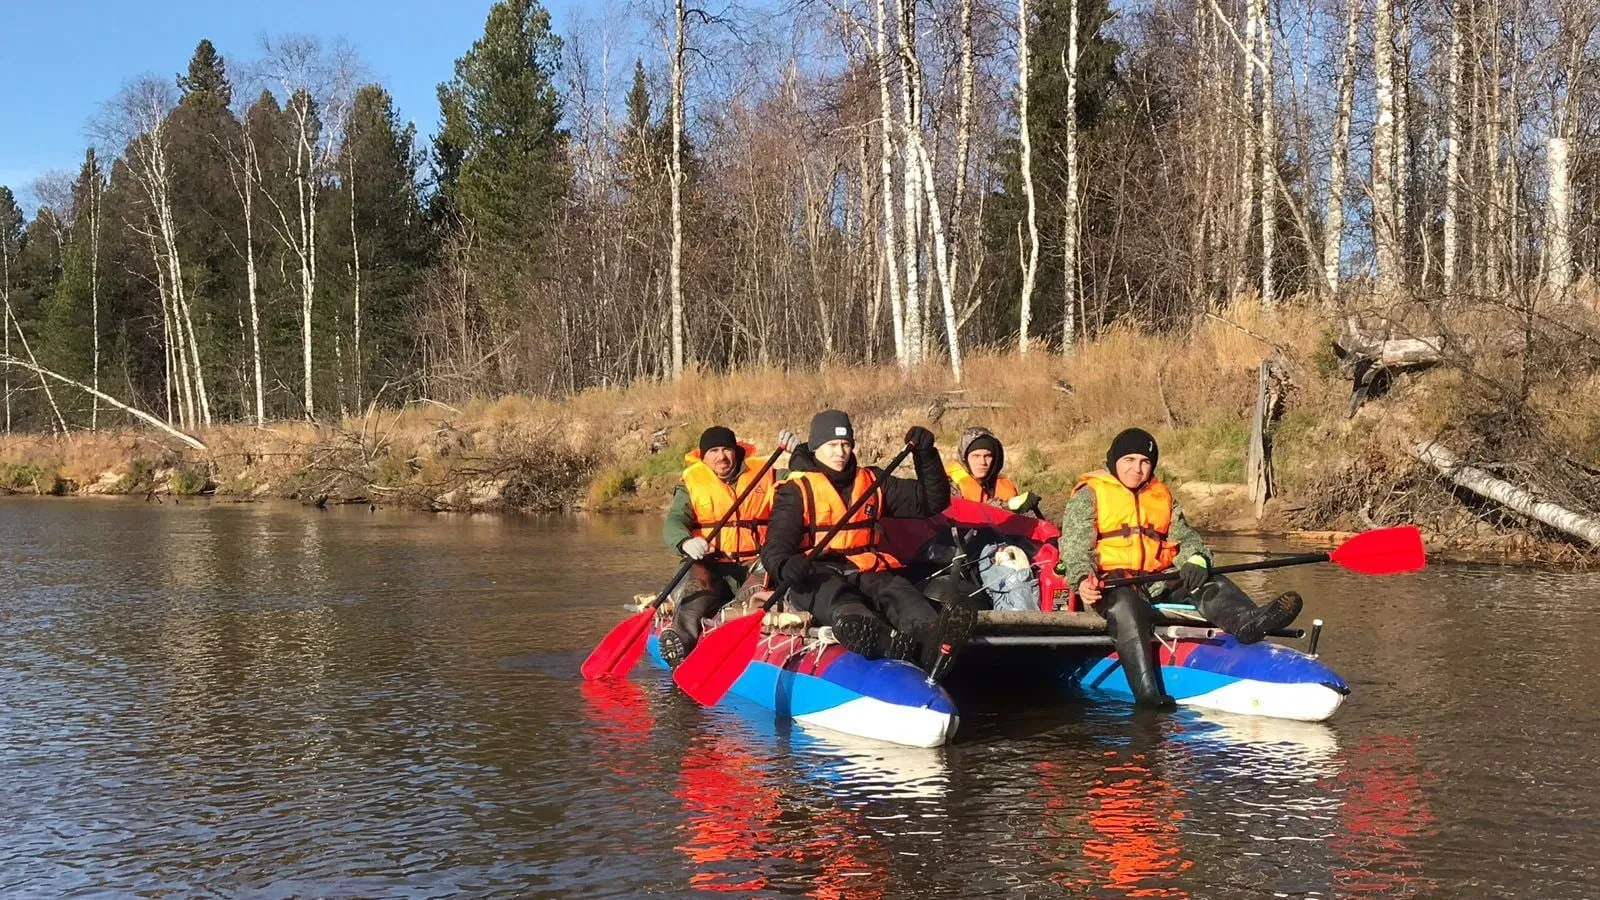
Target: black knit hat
column 983, row 442
column 830, row 425
column 1133, row 440
column 717, row 436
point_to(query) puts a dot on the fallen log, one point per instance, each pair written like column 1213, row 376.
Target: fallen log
column 1517, row 499
column 1364, row 356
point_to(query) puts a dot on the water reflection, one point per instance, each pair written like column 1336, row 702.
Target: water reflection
column 274, row 700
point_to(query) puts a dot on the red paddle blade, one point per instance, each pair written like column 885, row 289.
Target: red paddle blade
column 1385, row 551
column 619, row 650
column 719, row 659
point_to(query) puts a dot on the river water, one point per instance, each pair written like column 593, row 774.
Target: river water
column 265, row 700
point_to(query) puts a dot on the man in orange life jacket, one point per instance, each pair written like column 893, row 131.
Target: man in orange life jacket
column 1121, row 520
column 716, row 474
column 855, row 587
column 975, row 473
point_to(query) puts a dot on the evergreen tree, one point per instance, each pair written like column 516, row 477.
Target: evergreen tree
column 378, row 173
column 501, row 153
column 208, row 218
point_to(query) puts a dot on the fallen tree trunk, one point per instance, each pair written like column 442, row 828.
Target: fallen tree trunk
column 1507, row 494
column 1364, row 356
column 137, row 413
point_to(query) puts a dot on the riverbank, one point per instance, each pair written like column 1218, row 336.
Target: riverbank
column 621, row 449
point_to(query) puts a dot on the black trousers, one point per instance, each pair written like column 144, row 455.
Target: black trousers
column 709, row 586
column 830, row 593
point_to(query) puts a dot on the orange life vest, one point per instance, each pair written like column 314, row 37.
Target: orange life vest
column 710, row 498
column 972, row 489
column 1130, row 528
column 823, row 508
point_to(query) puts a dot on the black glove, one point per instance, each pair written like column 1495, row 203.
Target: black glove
column 797, row 569
column 920, row 439
column 1192, row 574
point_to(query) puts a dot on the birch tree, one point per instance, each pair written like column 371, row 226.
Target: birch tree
column 1385, row 239
column 1338, row 178
column 137, row 119
column 1069, row 243
column 675, row 266
column 319, row 88
column 1030, row 265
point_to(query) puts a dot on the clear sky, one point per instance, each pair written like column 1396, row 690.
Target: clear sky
column 61, row 59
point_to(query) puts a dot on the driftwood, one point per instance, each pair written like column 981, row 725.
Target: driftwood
column 940, row 405
column 1365, row 355
column 1517, row 499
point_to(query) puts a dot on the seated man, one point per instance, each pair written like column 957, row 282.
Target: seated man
column 1001, row 562
column 1122, row 521
column 853, row 586
column 717, row 474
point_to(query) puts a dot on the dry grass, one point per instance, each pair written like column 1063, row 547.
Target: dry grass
column 621, row 448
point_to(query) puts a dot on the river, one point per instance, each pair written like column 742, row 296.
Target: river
column 268, row 700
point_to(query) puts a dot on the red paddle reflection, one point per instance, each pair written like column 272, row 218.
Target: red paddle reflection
column 622, row 721
column 1383, row 813
column 737, row 824
column 1128, row 826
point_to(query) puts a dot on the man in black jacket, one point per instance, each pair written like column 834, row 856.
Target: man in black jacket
column 853, row 586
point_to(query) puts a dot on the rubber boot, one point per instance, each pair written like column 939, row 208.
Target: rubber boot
column 672, row 647
column 865, row 635
column 1233, row 612
column 1130, row 622
column 945, row 639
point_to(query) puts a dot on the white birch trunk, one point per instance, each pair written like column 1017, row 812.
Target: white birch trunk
column 1072, row 301
column 1338, row 177
column 897, row 307
column 1269, row 157
column 1384, row 239
column 251, row 178
column 1402, row 136
column 355, row 272
column 1247, row 164
column 676, row 180
column 941, row 261
column 1030, row 267
column 1558, row 232
column 94, row 288
column 5, row 297
column 911, row 122
column 963, row 145
column 108, row 399
column 59, row 426
column 1452, row 177
column 1509, row 495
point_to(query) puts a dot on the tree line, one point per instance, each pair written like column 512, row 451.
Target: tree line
column 853, row 181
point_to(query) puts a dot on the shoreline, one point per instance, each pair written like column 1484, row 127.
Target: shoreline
column 1506, row 550
column 1334, row 471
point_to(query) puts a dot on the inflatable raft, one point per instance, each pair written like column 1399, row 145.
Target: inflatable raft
column 803, row 675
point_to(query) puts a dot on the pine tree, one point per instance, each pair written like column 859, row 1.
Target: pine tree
column 209, row 221
column 500, row 152
column 384, row 240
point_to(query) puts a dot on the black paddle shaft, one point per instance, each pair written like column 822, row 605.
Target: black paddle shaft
column 855, row 505
column 1278, row 563
column 716, row 530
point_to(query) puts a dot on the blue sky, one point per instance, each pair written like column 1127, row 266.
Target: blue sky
column 63, row 58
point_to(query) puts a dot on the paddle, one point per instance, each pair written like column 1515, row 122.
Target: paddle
column 725, row 652
column 621, row 648
column 1385, row 551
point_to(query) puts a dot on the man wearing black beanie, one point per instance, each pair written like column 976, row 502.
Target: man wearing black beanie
column 715, row 476
column 1121, row 520
column 855, row 586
